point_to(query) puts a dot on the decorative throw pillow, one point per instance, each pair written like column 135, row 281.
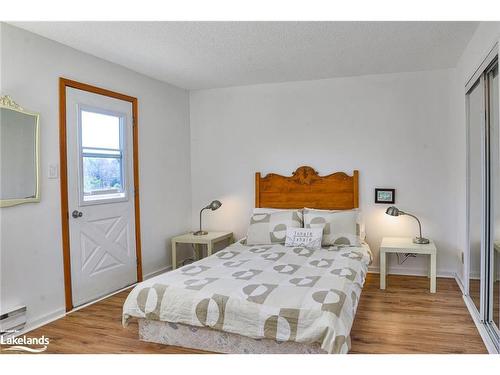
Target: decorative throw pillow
column 270, row 228
column 309, row 238
column 339, row 227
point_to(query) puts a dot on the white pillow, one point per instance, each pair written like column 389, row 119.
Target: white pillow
column 360, row 222
column 309, row 238
column 339, row 227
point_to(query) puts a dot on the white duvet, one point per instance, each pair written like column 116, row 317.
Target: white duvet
column 269, row 291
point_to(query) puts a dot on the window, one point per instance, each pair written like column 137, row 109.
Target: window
column 101, row 151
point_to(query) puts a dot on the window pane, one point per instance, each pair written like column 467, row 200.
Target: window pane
column 102, row 175
column 101, row 131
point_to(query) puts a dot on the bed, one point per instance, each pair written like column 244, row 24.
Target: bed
column 262, row 298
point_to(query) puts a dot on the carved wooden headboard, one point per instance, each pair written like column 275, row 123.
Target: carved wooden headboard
column 306, row 188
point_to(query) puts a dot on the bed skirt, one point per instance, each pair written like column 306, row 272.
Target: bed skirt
column 217, row 341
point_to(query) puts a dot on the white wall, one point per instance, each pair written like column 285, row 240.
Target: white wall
column 394, row 128
column 31, row 250
column 485, row 37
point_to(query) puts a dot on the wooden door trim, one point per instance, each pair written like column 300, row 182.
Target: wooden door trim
column 63, row 153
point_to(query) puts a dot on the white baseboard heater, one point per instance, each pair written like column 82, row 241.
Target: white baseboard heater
column 12, row 322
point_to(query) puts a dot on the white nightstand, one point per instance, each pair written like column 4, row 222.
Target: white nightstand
column 209, row 240
column 405, row 245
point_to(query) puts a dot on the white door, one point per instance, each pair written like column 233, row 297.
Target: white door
column 100, row 194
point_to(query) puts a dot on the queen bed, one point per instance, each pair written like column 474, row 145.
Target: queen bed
column 263, row 298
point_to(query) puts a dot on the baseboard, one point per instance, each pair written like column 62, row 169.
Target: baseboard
column 101, row 298
column 460, row 284
column 163, row 269
column 157, row 272
column 411, row 271
column 45, row 319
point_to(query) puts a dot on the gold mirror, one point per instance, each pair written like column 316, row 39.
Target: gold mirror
column 19, row 154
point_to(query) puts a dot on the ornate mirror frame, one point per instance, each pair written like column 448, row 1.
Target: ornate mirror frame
column 7, row 102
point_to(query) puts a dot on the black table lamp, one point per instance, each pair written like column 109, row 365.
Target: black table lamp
column 212, row 206
column 394, row 211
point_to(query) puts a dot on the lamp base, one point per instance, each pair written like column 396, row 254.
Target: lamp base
column 421, row 240
column 200, row 233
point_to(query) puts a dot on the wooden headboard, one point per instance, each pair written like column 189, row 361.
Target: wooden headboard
column 306, row 188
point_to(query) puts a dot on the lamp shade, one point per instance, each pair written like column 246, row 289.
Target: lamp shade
column 214, row 205
column 393, row 211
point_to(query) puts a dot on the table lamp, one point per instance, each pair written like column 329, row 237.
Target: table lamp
column 212, row 206
column 394, row 211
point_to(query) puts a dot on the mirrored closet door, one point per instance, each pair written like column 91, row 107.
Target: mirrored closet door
column 483, row 196
column 493, row 112
column 476, row 191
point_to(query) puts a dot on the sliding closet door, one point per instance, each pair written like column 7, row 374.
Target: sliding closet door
column 476, row 195
column 494, row 255
column 483, row 197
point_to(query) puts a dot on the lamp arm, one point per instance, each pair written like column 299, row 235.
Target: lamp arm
column 418, row 221
column 204, row 208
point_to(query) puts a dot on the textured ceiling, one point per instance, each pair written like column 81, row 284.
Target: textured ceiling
column 196, row 55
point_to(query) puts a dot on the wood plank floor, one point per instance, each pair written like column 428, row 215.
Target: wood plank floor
column 405, row 318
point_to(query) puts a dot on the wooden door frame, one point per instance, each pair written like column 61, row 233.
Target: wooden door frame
column 63, row 84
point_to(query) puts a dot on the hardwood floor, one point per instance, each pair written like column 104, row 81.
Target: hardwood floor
column 405, row 318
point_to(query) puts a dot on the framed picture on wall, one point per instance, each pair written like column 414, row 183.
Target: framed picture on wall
column 385, row 196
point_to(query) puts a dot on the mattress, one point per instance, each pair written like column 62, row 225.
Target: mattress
column 272, row 292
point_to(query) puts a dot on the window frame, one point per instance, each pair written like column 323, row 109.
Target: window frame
column 104, row 198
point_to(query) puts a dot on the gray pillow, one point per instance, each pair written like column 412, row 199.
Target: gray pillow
column 339, row 227
column 270, row 228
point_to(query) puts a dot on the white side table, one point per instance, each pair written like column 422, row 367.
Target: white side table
column 405, row 245
column 209, row 240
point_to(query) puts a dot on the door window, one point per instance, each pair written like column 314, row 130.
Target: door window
column 102, row 177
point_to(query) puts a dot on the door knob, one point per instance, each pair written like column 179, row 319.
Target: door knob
column 76, row 214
